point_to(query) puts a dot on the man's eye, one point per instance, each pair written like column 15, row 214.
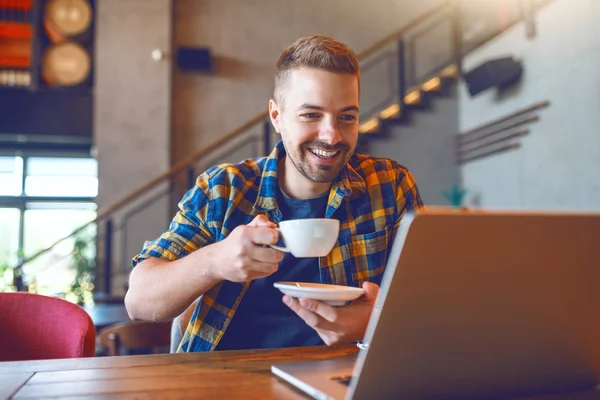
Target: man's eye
column 348, row 117
column 311, row 115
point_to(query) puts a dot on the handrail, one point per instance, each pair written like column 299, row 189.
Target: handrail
column 231, row 135
column 400, row 32
column 146, row 187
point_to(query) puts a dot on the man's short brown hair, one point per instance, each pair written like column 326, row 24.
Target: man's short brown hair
column 316, row 51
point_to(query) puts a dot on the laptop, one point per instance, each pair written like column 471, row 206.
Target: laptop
column 476, row 304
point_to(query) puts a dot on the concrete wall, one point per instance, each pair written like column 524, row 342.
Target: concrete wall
column 246, row 38
column 132, row 114
column 426, row 143
column 558, row 164
column 132, row 94
column 426, row 146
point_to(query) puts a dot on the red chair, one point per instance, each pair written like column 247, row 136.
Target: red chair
column 35, row 327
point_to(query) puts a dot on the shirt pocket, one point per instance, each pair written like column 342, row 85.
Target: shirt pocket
column 368, row 255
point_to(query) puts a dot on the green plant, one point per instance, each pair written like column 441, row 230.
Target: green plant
column 455, row 195
column 6, row 278
column 83, row 263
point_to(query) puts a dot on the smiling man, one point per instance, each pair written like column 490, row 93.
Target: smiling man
column 215, row 248
column 316, row 113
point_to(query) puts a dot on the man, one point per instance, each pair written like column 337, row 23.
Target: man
column 216, row 247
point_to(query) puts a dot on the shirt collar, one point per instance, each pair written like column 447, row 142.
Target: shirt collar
column 347, row 183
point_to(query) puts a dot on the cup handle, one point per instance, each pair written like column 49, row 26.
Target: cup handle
column 284, row 249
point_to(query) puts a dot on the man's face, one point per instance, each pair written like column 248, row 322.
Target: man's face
column 318, row 121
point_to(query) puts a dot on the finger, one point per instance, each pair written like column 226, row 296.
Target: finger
column 263, row 235
column 371, row 291
column 263, row 269
column 313, row 320
column 324, row 310
column 261, row 220
column 266, row 254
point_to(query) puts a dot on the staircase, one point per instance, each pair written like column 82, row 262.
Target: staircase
column 402, row 83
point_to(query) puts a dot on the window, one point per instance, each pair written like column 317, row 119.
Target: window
column 43, row 199
column 11, row 176
column 9, row 244
column 9, row 232
column 65, row 177
column 44, row 225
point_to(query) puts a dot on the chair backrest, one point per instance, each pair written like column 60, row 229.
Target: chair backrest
column 180, row 324
column 36, row 327
column 135, row 335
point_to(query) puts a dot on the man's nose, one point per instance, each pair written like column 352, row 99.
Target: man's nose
column 329, row 131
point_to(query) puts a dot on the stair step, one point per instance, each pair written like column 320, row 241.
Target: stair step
column 451, row 71
column 418, row 98
column 392, row 111
column 369, row 127
column 432, row 85
column 413, row 97
column 418, row 101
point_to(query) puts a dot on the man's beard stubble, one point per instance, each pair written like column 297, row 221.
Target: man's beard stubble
column 323, row 173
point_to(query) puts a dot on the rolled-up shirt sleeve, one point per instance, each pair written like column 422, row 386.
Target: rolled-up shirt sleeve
column 187, row 231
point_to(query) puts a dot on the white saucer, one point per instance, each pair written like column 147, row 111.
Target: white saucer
column 333, row 295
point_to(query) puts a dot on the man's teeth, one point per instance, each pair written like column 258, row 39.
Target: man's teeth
column 323, row 153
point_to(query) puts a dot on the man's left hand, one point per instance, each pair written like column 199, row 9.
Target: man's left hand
column 337, row 324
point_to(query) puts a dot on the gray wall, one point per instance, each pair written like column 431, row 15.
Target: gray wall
column 426, row 146
column 132, row 95
column 132, row 114
column 246, row 38
column 558, row 164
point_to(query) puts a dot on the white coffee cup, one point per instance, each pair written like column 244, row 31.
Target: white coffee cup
column 311, row 237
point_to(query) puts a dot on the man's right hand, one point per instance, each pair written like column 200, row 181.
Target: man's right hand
column 160, row 290
column 242, row 256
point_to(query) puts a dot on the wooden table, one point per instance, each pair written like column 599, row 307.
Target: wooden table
column 218, row 375
column 222, row 375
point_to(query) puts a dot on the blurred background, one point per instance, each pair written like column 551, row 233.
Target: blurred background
column 109, row 109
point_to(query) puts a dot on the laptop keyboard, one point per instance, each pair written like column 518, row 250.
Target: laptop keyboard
column 343, row 379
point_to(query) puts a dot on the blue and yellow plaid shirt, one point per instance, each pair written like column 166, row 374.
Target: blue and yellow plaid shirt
column 369, row 199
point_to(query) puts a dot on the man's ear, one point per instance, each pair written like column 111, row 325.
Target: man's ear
column 275, row 114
